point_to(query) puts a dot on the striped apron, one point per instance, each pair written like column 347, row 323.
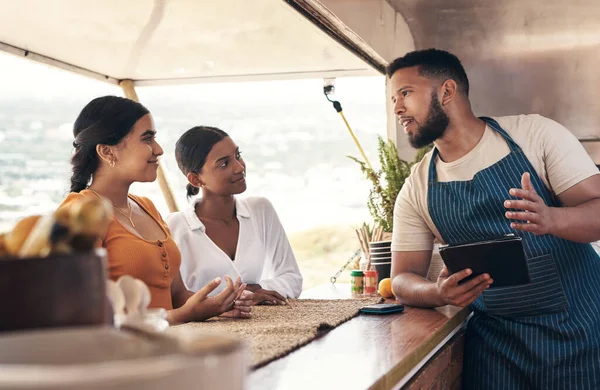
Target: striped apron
column 544, row 335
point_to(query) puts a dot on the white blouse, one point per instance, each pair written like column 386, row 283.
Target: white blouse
column 263, row 254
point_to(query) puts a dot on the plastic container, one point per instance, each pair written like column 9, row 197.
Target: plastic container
column 383, row 270
column 371, row 283
column 387, row 257
column 380, row 244
column 357, row 283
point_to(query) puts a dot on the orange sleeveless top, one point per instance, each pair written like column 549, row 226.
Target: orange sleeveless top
column 156, row 263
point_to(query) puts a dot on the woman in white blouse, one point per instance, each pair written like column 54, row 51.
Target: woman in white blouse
column 219, row 234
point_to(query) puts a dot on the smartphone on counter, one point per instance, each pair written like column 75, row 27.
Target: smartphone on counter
column 383, row 308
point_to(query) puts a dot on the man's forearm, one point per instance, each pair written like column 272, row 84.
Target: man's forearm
column 580, row 223
column 413, row 290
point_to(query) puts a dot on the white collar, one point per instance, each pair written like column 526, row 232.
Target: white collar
column 195, row 223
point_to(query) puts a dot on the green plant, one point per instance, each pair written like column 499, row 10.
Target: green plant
column 387, row 182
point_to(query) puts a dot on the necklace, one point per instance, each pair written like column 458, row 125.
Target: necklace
column 121, row 211
column 125, row 215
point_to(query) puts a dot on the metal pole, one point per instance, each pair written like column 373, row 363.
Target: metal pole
column 362, row 152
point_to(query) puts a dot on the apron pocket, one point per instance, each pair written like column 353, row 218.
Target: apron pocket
column 544, row 295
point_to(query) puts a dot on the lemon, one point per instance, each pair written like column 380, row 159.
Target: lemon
column 385, row 288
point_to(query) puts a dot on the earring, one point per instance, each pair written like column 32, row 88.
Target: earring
column 112, row 163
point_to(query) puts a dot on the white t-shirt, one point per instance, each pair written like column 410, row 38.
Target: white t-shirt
column 263, row 253
column 557, row 156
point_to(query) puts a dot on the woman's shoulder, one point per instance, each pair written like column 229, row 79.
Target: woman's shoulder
column 256, row 204
column 148, row 205
column 73, row 196
column 175, row 219
column 145, row 202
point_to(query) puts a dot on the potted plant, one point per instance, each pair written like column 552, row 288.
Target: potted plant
column 387, row 182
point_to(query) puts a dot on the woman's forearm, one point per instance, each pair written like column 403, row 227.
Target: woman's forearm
column 177, row 316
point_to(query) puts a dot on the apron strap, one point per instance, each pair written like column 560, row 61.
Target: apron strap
column 490, row 122
column 496, row 126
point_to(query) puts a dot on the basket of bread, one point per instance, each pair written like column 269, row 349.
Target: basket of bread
column 51, row 274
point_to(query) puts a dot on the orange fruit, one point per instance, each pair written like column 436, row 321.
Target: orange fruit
column 385, row 288
column 13, row 241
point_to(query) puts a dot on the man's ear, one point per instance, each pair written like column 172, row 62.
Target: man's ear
column 106, row 154
column 449, row 91
column 194, row 180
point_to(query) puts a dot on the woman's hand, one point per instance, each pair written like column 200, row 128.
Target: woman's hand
column 200, row 306
column 266, row 297
column 242, row 306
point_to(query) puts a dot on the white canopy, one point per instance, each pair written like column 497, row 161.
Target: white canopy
column 521, row 56
column 174, row 41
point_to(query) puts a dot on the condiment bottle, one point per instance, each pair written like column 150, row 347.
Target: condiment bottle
column 370, row 281
column 356, row 283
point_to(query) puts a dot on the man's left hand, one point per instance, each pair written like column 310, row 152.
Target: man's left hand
column 537, row 217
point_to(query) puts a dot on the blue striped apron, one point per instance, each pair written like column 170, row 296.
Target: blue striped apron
column 544, row 335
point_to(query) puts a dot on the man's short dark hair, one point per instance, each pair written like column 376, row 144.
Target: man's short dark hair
column 433, row 63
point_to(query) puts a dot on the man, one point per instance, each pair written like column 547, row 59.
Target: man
column 486, row 177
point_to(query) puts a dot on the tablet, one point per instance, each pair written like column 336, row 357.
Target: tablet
column 502, row 258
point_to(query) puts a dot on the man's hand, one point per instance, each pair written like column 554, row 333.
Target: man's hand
column 451, row 293
column 538, row 217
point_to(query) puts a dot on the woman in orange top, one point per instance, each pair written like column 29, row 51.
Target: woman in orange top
column 115, row 146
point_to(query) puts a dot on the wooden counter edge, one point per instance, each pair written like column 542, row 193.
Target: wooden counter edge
column 402, row 368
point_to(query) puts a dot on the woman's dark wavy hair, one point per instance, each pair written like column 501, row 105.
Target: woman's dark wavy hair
column 192, row 148
column 103, row 121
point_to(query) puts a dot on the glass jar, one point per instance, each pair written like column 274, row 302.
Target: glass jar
column 357, row 283
column 370, row 282
column 363, row 265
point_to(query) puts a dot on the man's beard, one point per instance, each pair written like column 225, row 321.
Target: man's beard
column 433, row 128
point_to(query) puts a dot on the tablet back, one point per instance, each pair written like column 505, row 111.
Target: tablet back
column 502, row 258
